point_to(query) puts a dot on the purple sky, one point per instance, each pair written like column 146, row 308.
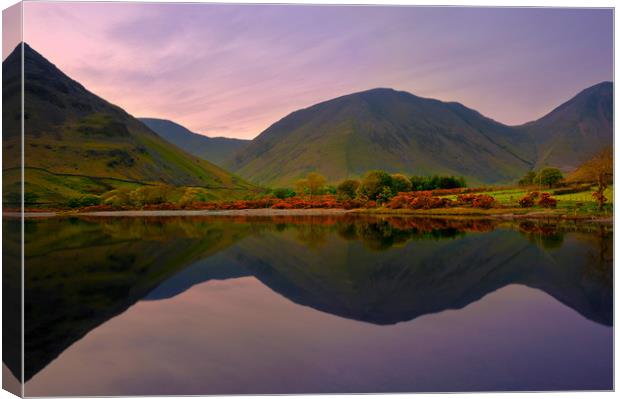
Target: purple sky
column 232, row 70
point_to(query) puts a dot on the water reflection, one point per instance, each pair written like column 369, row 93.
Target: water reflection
column 82, row 272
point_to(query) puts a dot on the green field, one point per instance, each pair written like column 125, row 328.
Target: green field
column 576, row 204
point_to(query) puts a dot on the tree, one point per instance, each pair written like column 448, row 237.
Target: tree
column 528, row 179
column 417, row 183
column 400, row 183
column 301, row 186
column 313, row 184
column 373, row 183
column 421, row 183
column 599, row 169
column 316, row 183
column 448, row 182
column 548, row 176
column 348, row 188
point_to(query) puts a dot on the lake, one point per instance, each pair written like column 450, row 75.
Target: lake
column 234, row 305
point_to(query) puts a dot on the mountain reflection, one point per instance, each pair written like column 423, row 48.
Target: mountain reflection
column 81, row 272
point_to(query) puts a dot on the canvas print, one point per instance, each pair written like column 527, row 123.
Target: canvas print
column 222, row 199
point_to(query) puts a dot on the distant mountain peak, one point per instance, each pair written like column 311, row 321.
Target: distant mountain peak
column 214, row 149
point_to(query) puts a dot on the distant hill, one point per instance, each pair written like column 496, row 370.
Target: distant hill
column 214, row 149
column 400, row 132
column 576, row 130
column 76, row 142
column 390, row 130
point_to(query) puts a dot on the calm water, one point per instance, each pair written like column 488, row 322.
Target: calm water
column 323, row 304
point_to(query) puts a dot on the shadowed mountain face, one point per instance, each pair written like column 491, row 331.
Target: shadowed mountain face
column 214, row 149
column 72, row 133
column 374, row 270
column 576, row 130
column 399, row 132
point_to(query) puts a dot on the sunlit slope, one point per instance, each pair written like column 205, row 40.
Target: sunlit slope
column 385, row 129
column 71, row 131
column 576, row 130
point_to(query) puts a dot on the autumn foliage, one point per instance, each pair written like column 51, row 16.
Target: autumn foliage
column 535, row 198
column 427, row 200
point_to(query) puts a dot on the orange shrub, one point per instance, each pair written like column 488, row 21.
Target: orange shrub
column 526, row 201
column 282, row 205
column 476, row 200
column 546, row 201
column 418, row 200
column 483, row 201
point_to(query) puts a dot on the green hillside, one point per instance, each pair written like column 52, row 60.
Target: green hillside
column 385, row 129
column 576, row 130
column 399, row 132
column 72, row 134
column 217, row 150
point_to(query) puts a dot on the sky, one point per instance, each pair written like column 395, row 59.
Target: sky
column 233, row 70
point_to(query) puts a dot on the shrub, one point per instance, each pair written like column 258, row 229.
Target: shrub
column 373, row 184
column 418, row 200
column 283, row 193
column 73, row 203
column 282, row 205
column 483, row 201
column 90, row 200
column 526, row 201
column 30, row 198
column 385, row 195
column 86, row 200
column 600, row 198
column 546, row 201
column 348, row 188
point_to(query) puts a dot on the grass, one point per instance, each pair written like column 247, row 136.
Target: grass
column 55, row 189
column 569, row 205
column 576, row 204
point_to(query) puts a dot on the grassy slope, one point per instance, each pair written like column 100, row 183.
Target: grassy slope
column 70, row 131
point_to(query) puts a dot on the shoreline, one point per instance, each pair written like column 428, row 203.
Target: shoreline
column 502, row 214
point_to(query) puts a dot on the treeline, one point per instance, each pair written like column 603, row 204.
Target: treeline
column 376, row 185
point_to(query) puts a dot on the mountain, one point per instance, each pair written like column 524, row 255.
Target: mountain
column 576, row 130
column 75, row 138
column 385, row 129
column 214, row 149
column 399, row 132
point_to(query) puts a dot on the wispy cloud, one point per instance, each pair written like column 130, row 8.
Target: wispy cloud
column 233, row 70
